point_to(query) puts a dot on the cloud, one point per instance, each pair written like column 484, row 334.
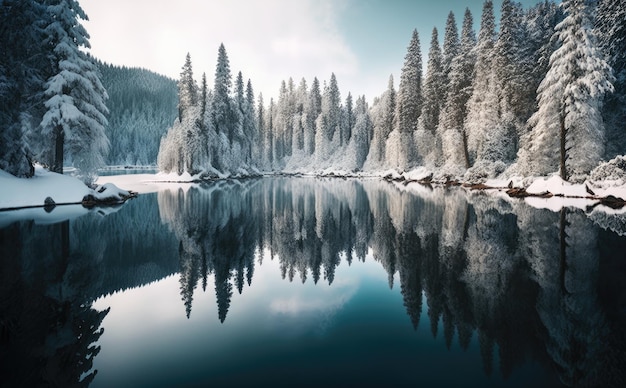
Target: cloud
column 268, row 41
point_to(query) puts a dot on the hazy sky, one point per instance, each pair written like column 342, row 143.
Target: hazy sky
column 361, row 41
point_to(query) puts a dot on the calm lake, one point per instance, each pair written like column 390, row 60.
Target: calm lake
column 313, row 282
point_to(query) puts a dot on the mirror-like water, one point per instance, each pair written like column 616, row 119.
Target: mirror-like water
column 305, row 282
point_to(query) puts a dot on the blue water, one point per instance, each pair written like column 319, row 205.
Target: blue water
column 306, row 282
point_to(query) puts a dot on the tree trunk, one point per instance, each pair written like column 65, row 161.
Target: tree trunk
column 563, row 136
column 465, row 149
column 59, row 141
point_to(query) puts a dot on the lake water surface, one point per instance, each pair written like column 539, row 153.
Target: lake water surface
column 314, row 282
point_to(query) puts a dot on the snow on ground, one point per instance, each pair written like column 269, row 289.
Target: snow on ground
column 149, row 183
column 62, row 189
column 16, row 192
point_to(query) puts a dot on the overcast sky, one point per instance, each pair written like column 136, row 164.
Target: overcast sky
column 361, row 41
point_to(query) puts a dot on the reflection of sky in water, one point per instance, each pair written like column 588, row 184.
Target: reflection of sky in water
column 281, row 332
column 490, row 274
column 147, row 326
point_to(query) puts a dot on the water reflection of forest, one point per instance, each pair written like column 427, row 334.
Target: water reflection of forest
column 528, row 283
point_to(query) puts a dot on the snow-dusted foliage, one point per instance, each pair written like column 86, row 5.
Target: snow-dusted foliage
column 22, row 74
column 570, row 99
column 75, row 117
column 467, row 119
column 611, row 32
column 482, row 109
column 382, row 119
column 402, row 153
column 613, row 170
column 142, row 106
column 216, row 131
column 451, row 129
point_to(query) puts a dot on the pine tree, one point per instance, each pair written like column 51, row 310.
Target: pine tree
column 269, row 134
column 611, row 32
column 452, row 118
column 409, row 106
column 567, row 129
column 329, row 121
column 348, row 119
column 427, row 139
column 482, row 107
column 433, row 86
column 187, row 89
column 299, row 120
column 261, row 128
column 221, row 104
column 361, row 136
column 23, row 70
column 250, row 127
column 313, row 110
column 383, row 116
column 75, row 117
column 451, row 47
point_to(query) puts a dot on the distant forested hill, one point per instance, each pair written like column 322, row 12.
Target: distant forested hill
column 142, row 105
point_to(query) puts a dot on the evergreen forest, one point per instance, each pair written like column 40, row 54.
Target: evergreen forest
column 541, row 91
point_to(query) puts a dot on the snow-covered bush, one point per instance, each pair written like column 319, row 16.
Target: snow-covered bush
column 483, row 170
column 614, row 169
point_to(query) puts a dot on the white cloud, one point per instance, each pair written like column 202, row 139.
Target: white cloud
column 268, row 41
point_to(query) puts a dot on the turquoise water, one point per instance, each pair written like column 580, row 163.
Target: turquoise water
column 307, row 282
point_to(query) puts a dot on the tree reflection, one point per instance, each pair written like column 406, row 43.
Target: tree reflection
column 522, row 281
column 47, row 329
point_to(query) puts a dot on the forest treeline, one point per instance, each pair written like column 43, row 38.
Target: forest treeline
column 142, row 106
column 542, row 94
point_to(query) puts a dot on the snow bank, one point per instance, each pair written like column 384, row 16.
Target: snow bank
column 19, row 192
column 47, row 187
column 556, row 186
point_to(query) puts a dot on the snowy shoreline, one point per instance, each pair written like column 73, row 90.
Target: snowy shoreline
column 48, row 189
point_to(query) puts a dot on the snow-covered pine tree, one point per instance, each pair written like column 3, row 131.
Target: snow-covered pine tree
column 496, row 115
column 347, row 120
column 567, row 129
column 540, row 22
column 313, row 109
column 260, row 125
column 283, row 124
column 223, row 114
column 451, row 127
column 184, row 146
column 187, row 89
column 428, row 146
column 361, row 133
column 451, row 47
column 23, row 69
column 240, row 139
column 269, row 134
column 328, row 122
column 75, row 117
column 383, row 116
column 221, row 105
column 409, row 105
column 611, row 31
column 433, row 85
column 482, row 107
column 250, row 127
column 299, row 120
